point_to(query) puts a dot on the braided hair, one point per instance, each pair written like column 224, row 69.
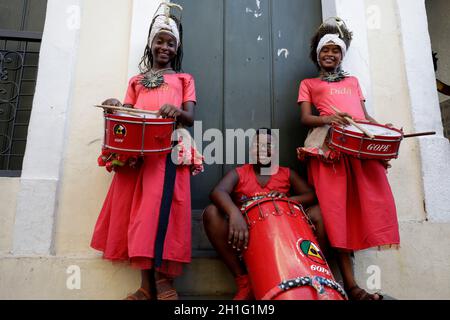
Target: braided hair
column 147, row 59
column 345, row 34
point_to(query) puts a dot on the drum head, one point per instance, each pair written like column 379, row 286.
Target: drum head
column 376, row 130
column 136, row 115
column 126, row 114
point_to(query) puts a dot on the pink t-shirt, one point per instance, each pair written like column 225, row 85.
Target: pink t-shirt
column 346, row 95
column 177, row 89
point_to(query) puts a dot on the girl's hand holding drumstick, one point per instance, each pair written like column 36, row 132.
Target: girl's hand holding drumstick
column 352, row 122
column 339, row 118
column 169, row 111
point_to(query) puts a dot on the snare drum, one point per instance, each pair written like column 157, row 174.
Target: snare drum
column 138, row 135
column 350, row 140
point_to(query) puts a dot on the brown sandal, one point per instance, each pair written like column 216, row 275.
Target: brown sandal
column 134, row 296
column 362, row 294
column 165, row 290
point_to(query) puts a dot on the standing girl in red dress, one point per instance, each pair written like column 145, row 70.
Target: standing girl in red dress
column 146, row 216
column 354, row 195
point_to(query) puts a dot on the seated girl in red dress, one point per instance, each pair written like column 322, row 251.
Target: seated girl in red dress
column 355, row 198
column 129, row 226
column 224, row 223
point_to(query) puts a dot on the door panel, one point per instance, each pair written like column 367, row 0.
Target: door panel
column 248, row 58
column 204, row 59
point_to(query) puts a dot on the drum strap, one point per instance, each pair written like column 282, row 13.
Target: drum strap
column 164, row 212
column 318, row 283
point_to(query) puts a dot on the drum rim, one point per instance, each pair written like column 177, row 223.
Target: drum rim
column 266, row 199
column 139, row 120
column 140, row 151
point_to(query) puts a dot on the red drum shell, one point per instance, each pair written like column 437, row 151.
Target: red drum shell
column 358, row 145
column 279, row 234
column 138, row 136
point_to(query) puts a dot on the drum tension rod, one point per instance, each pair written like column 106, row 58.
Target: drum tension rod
column 261, row 214
column 292, row 211
column 249, row 223
column 278, row 213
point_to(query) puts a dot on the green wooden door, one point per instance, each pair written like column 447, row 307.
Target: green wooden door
column 248, row 58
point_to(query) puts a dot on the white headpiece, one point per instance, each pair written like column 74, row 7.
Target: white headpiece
column 164, row 24
column 334, row 39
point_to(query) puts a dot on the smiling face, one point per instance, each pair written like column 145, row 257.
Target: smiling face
column 164, row 50
column 330, row 57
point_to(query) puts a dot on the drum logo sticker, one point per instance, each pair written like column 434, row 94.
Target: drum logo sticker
column 312, row 251
column 120, row 130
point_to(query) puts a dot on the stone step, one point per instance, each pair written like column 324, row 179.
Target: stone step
column 205, row 277
column 208, row 276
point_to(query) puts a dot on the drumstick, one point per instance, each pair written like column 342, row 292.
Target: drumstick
column 350, row 120
column 126, row 109
column 419, row 134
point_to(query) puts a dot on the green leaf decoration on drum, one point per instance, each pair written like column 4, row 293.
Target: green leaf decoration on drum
column 312, row 251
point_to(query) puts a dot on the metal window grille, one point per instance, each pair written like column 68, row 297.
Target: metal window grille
column 19, row 55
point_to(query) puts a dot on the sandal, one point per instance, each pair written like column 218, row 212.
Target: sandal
column 362, row 294
column 165, row 290
column 140, row 291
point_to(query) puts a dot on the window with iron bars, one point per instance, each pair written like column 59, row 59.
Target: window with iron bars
column 21, row 25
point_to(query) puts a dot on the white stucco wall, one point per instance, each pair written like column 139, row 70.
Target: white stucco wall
column 101, row 73
column 392, row 105
column 439, row 25
column 9, row 188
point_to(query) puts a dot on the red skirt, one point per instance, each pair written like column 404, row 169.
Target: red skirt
column 357, row 203
column 127, row 225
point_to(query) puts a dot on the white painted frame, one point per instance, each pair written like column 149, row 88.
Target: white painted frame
column 43, row 159
column 425, row 109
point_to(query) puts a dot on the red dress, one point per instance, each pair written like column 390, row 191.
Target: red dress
column 248, row 185
column 127, row 225
column 354, row 195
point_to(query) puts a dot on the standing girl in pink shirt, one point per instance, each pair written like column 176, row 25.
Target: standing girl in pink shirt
column 146, row 216
column 354, row 195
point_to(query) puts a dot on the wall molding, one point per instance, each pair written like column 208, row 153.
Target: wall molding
column 42, row 166
column 426, row 113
